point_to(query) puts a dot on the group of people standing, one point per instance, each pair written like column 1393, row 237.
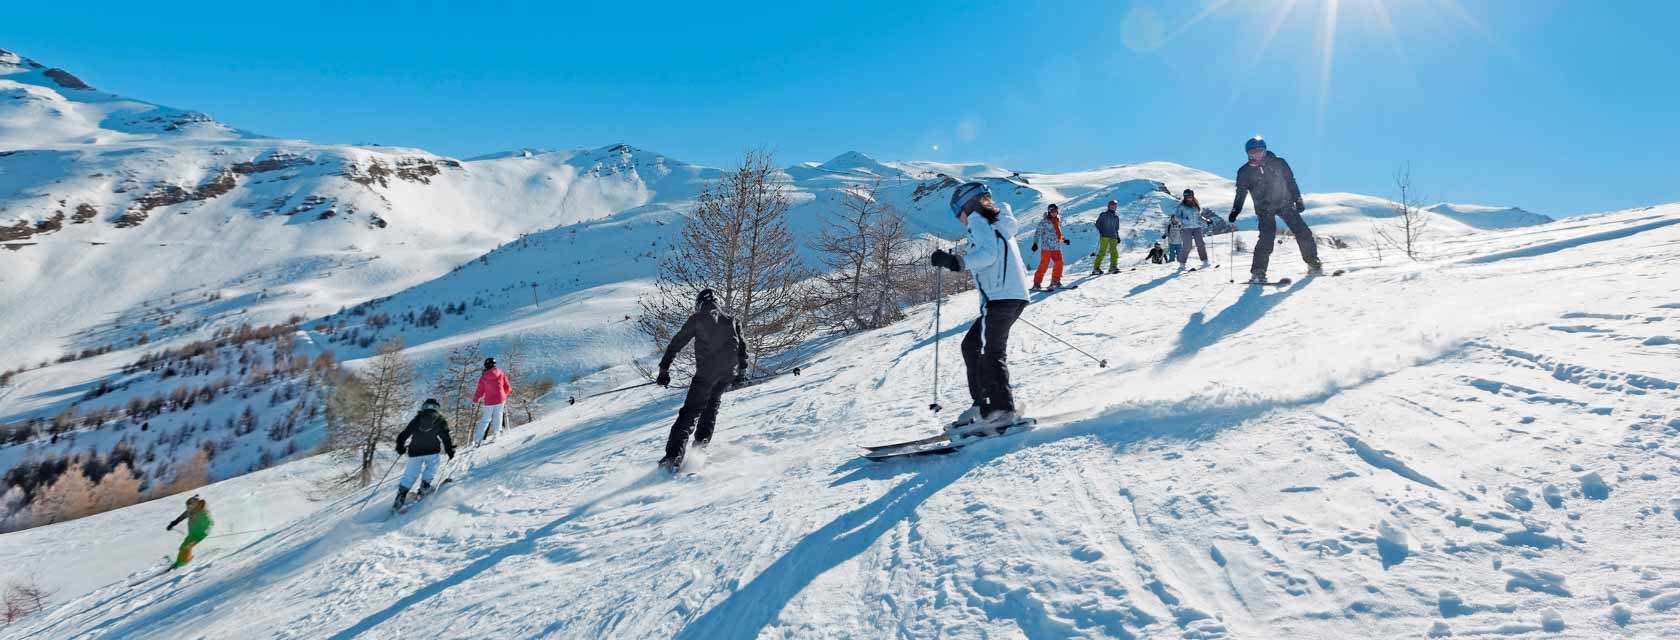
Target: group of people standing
column 994, row 260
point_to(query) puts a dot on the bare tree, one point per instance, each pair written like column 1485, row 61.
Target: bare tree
column 736, row 242
column 1405, row 231
column 871, row 263
column 24, row 596
column 366, row 410
column 454, row 390
column 528, row 386
column 69, row 497
column 195, row 474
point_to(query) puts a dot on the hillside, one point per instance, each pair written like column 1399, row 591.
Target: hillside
column 1495, row 460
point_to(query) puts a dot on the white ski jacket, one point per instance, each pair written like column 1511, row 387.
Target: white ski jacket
column 1188, row 217
column 994, row 258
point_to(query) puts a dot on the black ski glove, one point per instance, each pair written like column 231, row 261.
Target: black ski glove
column 402, row 450
column 740, row 379
column 450, row 453
column 170, row 527
column 1035, row 246
column 951, row 261
column 664, row 379
column 1232, row 218
column 1300, row 207
column 1067, row 242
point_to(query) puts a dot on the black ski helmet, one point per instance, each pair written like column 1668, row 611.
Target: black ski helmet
column 489, row 363
column 1253, row 143
column 430, row 403
column 704, row 298
column 966, row 193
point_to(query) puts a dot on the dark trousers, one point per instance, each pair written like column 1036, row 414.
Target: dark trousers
column 705, row 393
column 984, row 352
column 1268, row 239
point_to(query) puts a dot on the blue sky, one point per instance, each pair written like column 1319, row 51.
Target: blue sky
column 1558, row 106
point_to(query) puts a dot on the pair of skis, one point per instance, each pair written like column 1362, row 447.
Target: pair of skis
column 1284, row 282
column 945, row 443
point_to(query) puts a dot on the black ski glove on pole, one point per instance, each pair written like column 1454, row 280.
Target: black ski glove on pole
column 664, row 379
column 951, row 261
column 1233, row 217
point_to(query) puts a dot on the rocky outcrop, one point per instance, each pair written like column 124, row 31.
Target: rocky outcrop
column 65, row 79
column 84, row 213
column 276, row 161
column 164, row 195
column 420, row 170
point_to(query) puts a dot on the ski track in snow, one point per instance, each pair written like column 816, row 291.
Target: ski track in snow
column 1471, row 446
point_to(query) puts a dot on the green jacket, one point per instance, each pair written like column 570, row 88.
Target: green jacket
column 198, row 524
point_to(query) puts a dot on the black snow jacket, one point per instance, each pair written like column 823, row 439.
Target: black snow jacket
column 719, row 350
column 427, row 434
column 1273, row 186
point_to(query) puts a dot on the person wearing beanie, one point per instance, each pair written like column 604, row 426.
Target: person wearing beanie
column 1108, row 239
column 425, row 436
column 492, row 392
column 1276, row 195
column 994, row 260
column 720, row 360
column 1049, row 236
column 1188, row 214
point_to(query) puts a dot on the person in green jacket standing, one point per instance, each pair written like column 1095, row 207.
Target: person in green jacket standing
column 198, row 520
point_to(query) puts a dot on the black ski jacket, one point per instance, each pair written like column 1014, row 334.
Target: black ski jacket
column 427, row 434
column 1273, row 186
column 719, row 350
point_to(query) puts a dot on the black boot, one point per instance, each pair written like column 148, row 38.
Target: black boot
column 425, row 488
column 670, row 465
column 402, row 498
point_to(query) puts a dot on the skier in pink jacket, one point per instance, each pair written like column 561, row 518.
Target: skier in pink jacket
column 492, row 392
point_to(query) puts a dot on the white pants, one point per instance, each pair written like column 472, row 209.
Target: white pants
column 419, row 467
column 489, row 422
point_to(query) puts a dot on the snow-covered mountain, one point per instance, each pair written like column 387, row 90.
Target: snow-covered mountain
column 132, row 229
column 1481, row 444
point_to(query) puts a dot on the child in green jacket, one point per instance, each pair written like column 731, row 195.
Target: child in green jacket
column 198, row 520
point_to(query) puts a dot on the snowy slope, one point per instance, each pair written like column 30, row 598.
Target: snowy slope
column 1482, row 444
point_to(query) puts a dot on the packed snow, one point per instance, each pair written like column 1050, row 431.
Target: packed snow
column 1480, row 444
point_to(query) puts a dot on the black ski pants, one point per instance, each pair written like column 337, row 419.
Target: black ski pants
column 984, row 352
column 705, row 393
column 1268, row 239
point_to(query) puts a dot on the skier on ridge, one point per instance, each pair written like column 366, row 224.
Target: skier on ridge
column 1188, row 213
column 425, row 436
column 1108, row 242
column 198, row 520
column 1276, row 195
column 1049, row 236
column 995, row 262
column 492, row 393
column 720, row 359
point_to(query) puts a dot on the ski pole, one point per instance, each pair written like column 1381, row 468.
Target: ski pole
column 634, row 386
column 938, row 301
column 236, row 533
column 1100, row 362
column 381, row 482
column 1231, row 265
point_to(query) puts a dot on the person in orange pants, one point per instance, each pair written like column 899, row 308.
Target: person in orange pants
column 1049, row 236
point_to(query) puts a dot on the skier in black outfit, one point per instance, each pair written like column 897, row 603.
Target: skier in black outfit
column 1272, row 183
column 994, row 260
column 426, row 435
column 720, row 359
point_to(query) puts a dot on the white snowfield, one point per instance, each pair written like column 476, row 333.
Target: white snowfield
column 1482, row 444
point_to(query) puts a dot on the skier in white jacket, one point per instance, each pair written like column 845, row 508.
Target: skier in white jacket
column 994, row 259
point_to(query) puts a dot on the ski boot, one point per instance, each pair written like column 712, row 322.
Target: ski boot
column 402, row 498
column 670, row 465
column 1097, row 271
column 1113, row 270
column 1205, row 264
column 425, row 488
column 1054, row 285
column 1315, row 269
column 1036, row 288
column 1257, row 277
column 967, row 417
